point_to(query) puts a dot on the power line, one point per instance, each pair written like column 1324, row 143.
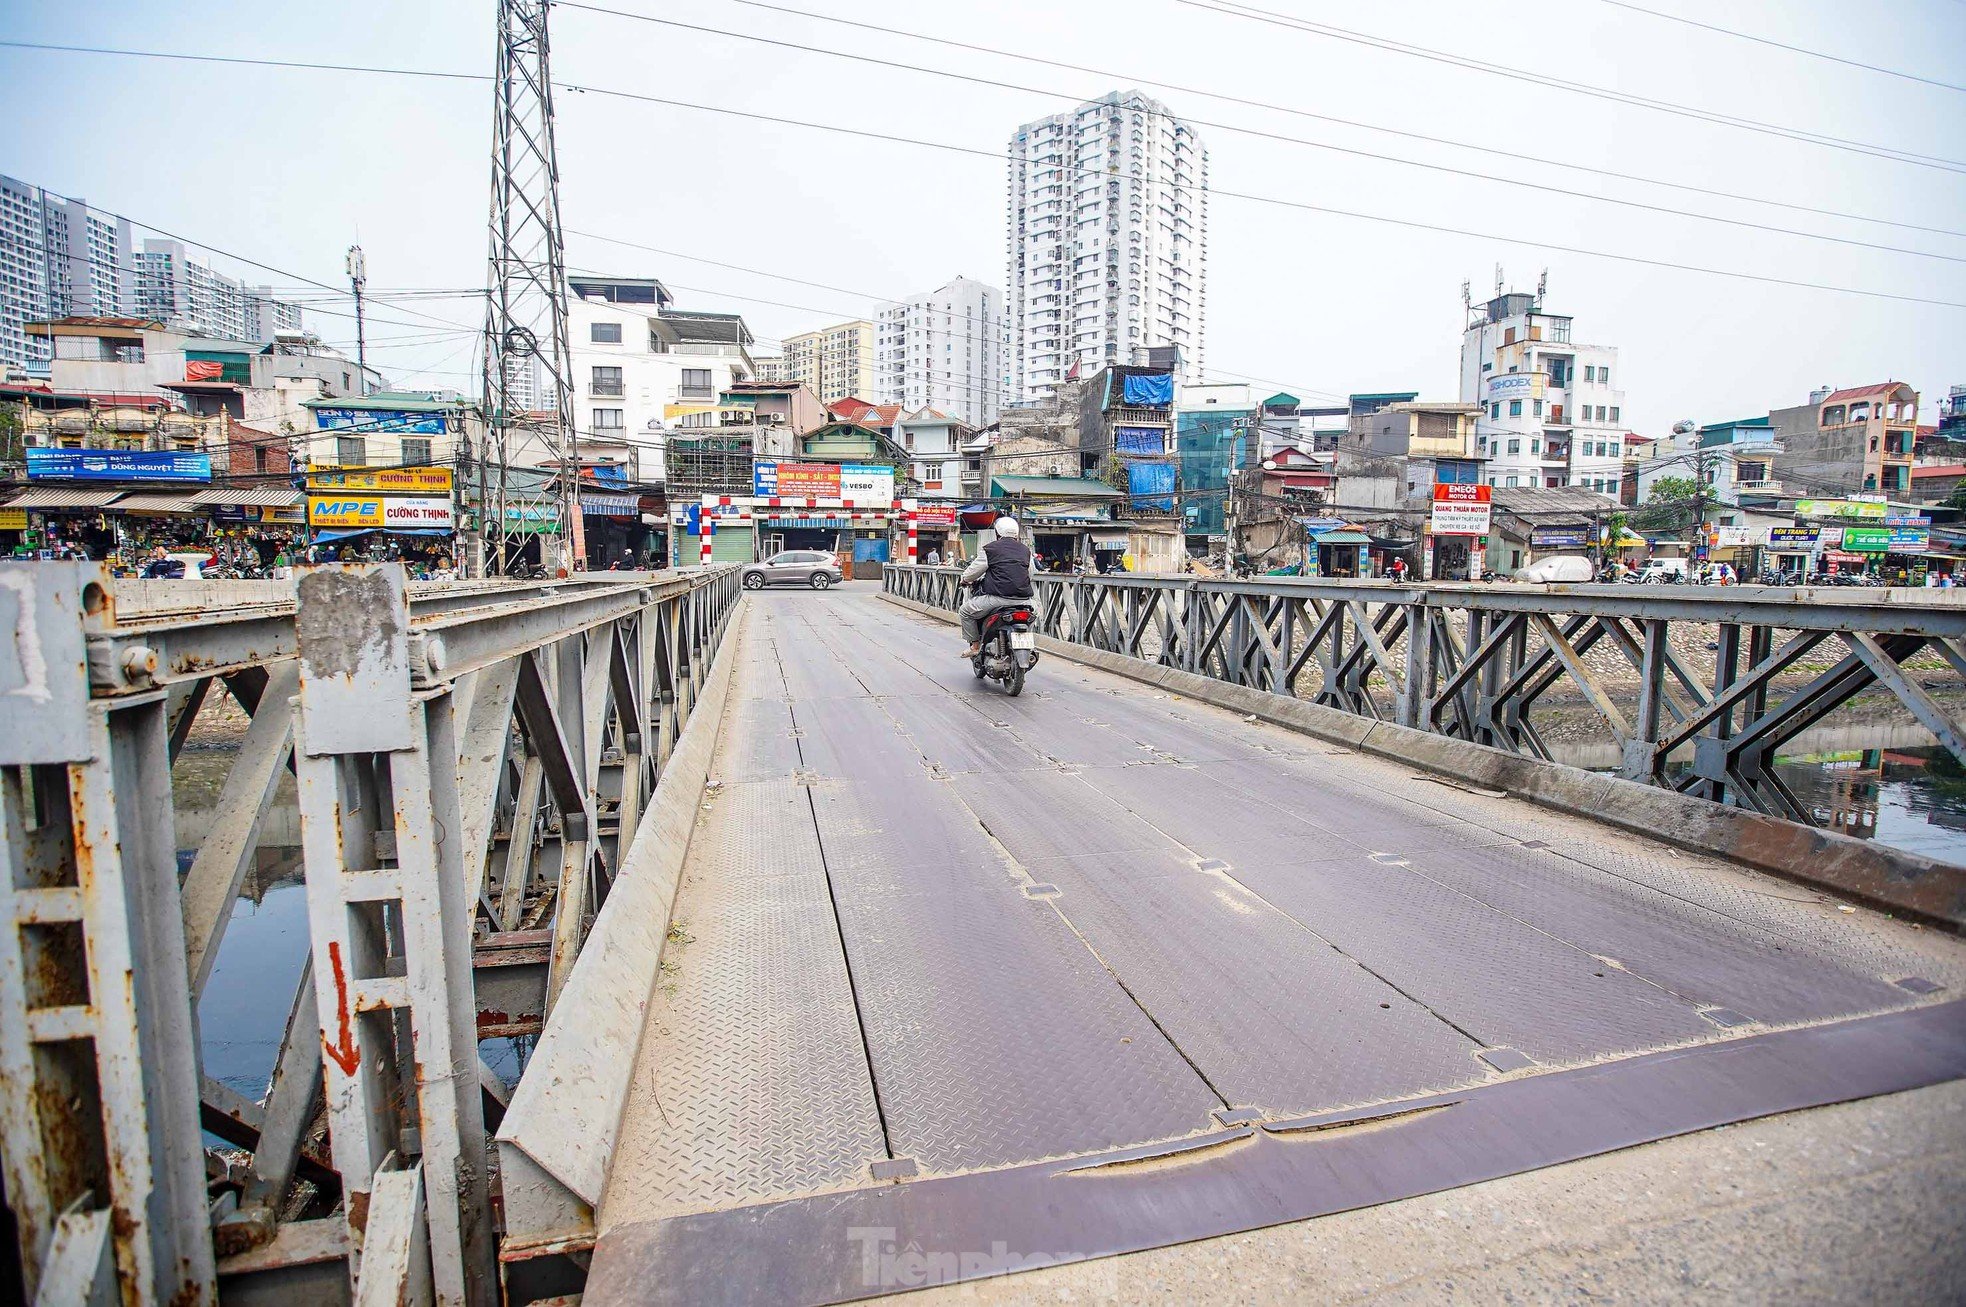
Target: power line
column 1543, row 160
column 808, row 48
column 1783, row 45
column 1234, row 9
column 991, row 155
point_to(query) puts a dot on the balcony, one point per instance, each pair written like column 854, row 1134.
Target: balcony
column 606, row 390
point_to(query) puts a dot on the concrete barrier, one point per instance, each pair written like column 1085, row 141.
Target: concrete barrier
column 559, row 1132
column 1889, row 878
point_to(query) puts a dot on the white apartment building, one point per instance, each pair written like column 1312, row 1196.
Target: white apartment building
column 1552, row 408
column 175, row 287
column 944, row 349
column 1108, row 241
column 642, row 369
column 771, row 368
column 833, row 362
column 58, row 258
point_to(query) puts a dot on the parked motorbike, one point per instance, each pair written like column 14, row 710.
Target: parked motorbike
column 1008, row 649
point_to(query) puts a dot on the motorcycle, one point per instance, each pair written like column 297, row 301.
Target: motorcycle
column 1008, row 647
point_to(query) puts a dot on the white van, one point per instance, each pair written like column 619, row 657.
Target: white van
column 1663, row 571
column 1558, row 567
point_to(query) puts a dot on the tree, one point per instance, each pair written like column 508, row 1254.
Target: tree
column 1669, row 505
column 11, row 426
column 1957, row 499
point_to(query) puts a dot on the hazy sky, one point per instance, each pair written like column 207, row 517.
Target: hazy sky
column 291, row 166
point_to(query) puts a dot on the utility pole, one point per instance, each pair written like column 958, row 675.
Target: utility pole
column 528, row 359
column 358, row 277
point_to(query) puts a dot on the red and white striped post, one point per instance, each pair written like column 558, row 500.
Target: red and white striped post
column 908, row 517
column 706, row 529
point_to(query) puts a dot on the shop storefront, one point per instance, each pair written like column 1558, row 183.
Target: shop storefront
column 402, row 514
column 1791, row 547
column 616, row 537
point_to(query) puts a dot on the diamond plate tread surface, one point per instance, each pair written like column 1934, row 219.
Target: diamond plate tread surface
column 995, row 1035
column 750, row 1082
column 1277, row 1017
column 858, row 749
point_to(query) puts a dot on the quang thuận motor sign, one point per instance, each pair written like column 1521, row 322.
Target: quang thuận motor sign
column 1461, row 510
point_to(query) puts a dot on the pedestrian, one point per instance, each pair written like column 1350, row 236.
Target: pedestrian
column 934, row 557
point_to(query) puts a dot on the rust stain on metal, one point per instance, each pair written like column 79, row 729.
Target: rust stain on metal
column 358, row 1210
column 344, row 1053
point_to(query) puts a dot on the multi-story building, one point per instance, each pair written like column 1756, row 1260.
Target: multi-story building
column 177, row 288
column 643, row 370
column 1216, row 436
column 771, row 368
column 1855, row 441
column 1554, row 406
column 833, row 362
column 1108, row 241
column 944, row 349
column 58, row 258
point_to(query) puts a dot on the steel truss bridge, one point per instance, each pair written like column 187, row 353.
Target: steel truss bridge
column 844, row 970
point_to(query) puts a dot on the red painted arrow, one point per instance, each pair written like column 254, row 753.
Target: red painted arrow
column 345, row 1054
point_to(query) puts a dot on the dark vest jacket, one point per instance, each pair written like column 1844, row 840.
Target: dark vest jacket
column 1009, row 573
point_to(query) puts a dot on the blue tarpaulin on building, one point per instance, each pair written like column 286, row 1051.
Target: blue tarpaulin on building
column 1155, row 390
column 1140, row 440
column 1151, row 485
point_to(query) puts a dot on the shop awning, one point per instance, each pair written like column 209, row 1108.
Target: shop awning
column 43, row 497
column 250, row 497
column 1342, row 538
column 166, row 504
column 329, row 537
column 605, row 505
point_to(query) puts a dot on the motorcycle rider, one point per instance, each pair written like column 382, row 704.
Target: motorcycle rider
column 1002, row 575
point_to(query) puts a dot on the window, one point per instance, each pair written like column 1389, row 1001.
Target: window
column 1604, row 375
column 1590, row 372
column 604, row 333
column 696, row 381
column 1495, row 409
column 351, row 451
column 259, row 458
column 416, row 451
column 607, row 382
column 1537, row 408
column 1515, row 447
column 609, row 419
column 1536, row 445
column 1600, row 412
column 1508, row 481
column 1515, row 408
column 1614, row 415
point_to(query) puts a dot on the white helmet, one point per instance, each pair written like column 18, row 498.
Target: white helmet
column 1007, row 527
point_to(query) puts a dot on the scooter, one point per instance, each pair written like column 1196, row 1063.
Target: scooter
column 1008, row 647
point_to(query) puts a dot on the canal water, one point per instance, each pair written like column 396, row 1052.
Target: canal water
column 1911, row 797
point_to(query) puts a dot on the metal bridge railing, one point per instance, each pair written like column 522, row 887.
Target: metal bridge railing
column 472, row 764
column 1473, row 661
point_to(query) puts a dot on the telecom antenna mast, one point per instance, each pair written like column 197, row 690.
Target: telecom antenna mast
column 527, row 477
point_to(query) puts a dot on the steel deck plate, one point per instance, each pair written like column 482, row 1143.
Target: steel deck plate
column 966, row 932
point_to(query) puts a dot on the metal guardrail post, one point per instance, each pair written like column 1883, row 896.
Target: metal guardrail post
column 98, row 1062
column 388, row 921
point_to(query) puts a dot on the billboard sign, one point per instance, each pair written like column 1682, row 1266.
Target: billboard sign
column 388, row 480
column 1909, row 539
column 1792, row 539
column 1559, row 537
column 379, row 420
column 861, row 483
column 1861, row 509
column 344, row 512
column 1461, row 510
column 118, row 465
column 936, row 515
column 1866, row 539
column 1516, row 385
